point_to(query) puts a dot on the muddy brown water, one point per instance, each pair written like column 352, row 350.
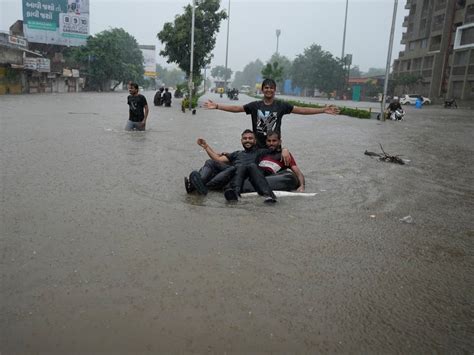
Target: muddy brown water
column 102, row 249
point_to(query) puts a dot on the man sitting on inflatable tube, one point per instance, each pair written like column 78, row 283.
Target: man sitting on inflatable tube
column 215, row 175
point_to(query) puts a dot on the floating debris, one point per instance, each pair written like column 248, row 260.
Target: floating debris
column 386, row 157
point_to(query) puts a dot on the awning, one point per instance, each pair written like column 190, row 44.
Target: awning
column 30, row 52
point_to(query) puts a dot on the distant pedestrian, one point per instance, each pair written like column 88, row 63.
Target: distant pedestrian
column 167, row 98
column 138, row 109
column 157, row 98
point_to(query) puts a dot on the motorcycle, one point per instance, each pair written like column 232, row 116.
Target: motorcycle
column 397, row 115
column 450, row 103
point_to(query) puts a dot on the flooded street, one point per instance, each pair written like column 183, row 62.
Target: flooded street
column 102, row 250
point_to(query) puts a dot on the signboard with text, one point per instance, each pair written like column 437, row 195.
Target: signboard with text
column 62, row 22
column 149, row 61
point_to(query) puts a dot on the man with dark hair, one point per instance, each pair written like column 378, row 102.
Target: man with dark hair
column 276, row 172
column 138, row 109
column 244, row 166
column 267, row 113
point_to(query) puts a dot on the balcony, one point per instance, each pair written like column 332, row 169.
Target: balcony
column 401, row 54
column 408, row 5
column 404, row 38
column 405, row 22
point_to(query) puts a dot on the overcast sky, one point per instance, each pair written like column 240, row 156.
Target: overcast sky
column 253, row 24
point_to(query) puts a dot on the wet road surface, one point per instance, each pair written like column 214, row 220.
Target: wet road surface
column 102, row 249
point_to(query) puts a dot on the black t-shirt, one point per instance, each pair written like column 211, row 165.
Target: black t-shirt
column 266, row 118
column 167, row 96
column 244, row 157
column 394, row 106
column 136, row 105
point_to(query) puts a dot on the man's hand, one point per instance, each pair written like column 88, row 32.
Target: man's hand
column 332, row 110
column 202, row 142
column 143, row 124
column 210, row 104
column 285, row 156
column 300, row 189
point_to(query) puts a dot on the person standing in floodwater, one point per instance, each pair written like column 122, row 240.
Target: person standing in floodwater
column 138, row 109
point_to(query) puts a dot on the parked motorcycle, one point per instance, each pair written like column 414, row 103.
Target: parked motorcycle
column 450, row 103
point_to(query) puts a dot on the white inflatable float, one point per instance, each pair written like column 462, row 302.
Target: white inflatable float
column 283, row 194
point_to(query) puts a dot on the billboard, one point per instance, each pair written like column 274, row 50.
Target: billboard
column 149, row 61
column 62, row 22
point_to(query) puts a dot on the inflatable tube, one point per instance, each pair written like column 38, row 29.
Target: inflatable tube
column 283, row 194
column 285, row 180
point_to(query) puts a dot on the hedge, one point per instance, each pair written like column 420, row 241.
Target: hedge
column 352, row 112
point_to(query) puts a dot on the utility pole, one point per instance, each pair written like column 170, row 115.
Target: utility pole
column 227, row 48
column 278, row 33
column 389, row 60
column 191, row 84
column 343, row 59
column 344, row 33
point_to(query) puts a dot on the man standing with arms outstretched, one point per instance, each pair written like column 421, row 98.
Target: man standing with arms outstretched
column 267, row 113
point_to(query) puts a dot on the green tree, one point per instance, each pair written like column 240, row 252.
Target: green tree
column 283, row 62
column 406, row 82
column 250, row 75
column 220, row 72
column 170, row 77
column 176, row 37
column 273, row 71
column 375, row 72
column 317, row 69
column 110, row 55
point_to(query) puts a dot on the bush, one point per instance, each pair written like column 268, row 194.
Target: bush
column 353, row 112
column 185, row 102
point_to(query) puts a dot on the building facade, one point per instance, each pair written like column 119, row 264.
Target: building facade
column 27, row 67
column 439, row 49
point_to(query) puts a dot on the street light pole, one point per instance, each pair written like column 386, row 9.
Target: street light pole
column 343, row 59
column 278, row 33
column 344, row 34
column 191, row 84
column 227, row 47
column 389, row 60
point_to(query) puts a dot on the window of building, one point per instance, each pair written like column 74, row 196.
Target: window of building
column 464, row 37
column 413, row 45
column 440, row 5
column 423, row 25
column 457, row 88
column 438, row 22
column 424, row 43
column 417, row 64
column 460, row 4
column 469, row 14
column 435, row 43
column 461, row 58
column 467, row 36
column 426, row 8
column 428, row 62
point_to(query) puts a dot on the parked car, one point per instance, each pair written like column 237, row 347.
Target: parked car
column 410, row 99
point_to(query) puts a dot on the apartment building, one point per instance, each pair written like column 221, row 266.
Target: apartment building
column 439, row 48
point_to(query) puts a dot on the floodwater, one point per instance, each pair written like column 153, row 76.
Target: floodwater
column 103, row 251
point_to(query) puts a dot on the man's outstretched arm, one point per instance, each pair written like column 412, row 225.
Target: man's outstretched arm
column 211, row 105
column 331, row 110
column 212, row 154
